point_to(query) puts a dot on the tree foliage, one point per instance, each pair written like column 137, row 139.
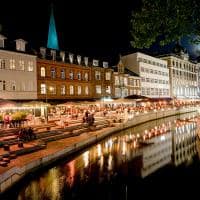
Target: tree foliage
column 164, row 21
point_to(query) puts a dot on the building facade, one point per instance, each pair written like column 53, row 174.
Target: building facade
column 126, row 82
column 18, row 80
column 183, row 74
column 64, row 76
column 153, row 72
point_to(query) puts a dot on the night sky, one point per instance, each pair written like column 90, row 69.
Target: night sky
column 98, row 30
column 95, row 29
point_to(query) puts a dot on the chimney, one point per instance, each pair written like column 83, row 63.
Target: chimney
column 20, row 45
column 62, row 55
column 2, row 38
column 43, row 52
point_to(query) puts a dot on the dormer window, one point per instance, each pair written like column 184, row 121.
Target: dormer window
column 95, row 63
column 43, row 52
column 105, row 64
column 79, row 59
column 71, row 58
column 20, row 44
column 53, row 54
column 86, row 61
column 2, row 38
column 62, row 55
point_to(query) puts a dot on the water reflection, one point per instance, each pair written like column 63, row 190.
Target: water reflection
column 136, row 152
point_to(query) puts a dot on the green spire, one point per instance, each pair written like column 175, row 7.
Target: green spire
column 52, row 35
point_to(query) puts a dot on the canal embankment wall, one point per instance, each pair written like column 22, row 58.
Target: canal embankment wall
column 13, row 175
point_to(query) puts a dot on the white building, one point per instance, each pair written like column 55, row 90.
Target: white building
column 18, row 80
column 153, row 72
column 183, row 74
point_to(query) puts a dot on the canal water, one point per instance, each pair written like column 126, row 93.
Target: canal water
column 158, row 159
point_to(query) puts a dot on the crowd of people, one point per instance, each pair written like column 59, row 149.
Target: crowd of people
column 26, row 134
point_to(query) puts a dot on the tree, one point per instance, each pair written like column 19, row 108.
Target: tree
column 165, row 21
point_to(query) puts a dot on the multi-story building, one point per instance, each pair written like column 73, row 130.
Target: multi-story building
column 102, row 80
column 60, row 79
column 182, row 73
column 153, row 72
column 65, row 76
column 126, row 82
column 17, row 71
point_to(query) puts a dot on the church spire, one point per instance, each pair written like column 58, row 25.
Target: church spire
column 52, row 34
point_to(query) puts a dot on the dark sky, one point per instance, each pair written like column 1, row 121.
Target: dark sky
column 97, row 29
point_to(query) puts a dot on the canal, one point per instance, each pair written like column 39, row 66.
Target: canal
column 158, row 159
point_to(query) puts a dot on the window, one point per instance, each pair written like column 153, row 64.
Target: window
column 30, row 66
column 71, row 75
column 52, row 89
column 108, row 76
column 62, row 90
column 13, row 86
column 42, row 71
column 12, row 64
column 71, row 58
column 2, row 64
column 98, row 89
column 86, row 90
column 79, row 75
column 86, row 76
column 116, row 80
column 97, row 75
column 53, row 73
column 79, row 90
column 71, row 89
column 125, row 81
column 142, row 69
column 62, row 74
column 95, row 63
column 108, row 89
column 43, row 88
column 21, row 65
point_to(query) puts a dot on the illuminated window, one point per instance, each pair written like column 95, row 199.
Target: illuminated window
column 62, row 90
column 125, row 81
column 13, row 86
column 42, row 72
column 108, row 76
column 52, row 89
column 21, row 65
column 2, row 64
column 98, row 89
column 79, row 90
column 116, row 80
column 62, row 73
column 86, row 90
column 30, row 66
column 71, row 89
column 43, row 88
column 108, row 89
column 53, row 73
column 86, row 76
column 71, row 75
column 97, row 75
column 12, row 64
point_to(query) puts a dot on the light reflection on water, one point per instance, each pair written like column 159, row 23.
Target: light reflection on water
column 136, row 152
